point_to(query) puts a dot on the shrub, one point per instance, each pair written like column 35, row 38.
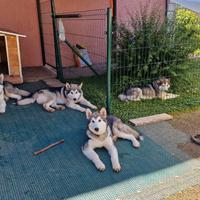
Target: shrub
column 149, row 47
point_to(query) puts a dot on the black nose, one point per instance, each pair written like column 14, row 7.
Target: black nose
column 96, row 129
column 74, row 99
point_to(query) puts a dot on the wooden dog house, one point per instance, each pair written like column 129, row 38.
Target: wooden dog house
column 10, row 59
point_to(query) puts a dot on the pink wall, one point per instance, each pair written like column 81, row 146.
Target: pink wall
column 21, row 16
column 127, row 8
column 91, row 33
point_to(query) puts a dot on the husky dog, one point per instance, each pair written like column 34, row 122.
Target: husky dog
column 103, row 131
column 13, row 92
column 158, row 89
column 7, row 90
column 2, row 98
column 55, row 98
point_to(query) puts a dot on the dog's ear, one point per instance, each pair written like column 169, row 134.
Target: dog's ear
column 88, row 113
column 1, row 78
column 103, row 112
column 80, row 86
column 67, row 85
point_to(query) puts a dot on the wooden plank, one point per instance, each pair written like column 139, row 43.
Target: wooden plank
column 151, row 119
column 13, row 57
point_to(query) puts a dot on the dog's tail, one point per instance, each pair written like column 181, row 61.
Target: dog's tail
column 26, row 101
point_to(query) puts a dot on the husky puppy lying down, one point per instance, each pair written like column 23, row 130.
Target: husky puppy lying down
column 103, row 131
column 158, row 89
column 7, row 90
column 54, row 99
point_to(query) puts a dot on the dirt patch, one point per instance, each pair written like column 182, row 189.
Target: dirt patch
column 190, row 124
column 192, row 193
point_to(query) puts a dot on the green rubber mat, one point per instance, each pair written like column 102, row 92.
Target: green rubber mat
column 63, row 172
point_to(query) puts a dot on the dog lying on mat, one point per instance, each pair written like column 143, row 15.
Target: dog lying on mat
column 53, row 99
column 7, row 91
column 158, row 89
column 103, row 130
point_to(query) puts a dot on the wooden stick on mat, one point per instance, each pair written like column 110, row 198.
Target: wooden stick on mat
column 151, row 119
column 48, row 147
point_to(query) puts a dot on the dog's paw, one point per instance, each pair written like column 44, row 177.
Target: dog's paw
column 61, row 107
column 117, row 167
column 51, row 110
column 101, row 167
column 19, row 98
column 114, row 138
column 94, row 107
column 136, row 144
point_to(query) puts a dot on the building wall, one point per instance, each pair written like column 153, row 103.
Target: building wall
column 89, row 31
column 21, row 16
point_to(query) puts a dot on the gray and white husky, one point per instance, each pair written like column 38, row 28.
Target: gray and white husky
column 103, row 130
column 53, row 99
column 7, row 90
column 2, row 98
column 158, row 89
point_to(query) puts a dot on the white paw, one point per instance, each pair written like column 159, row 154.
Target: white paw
column 117, row 167
column 19, row 98
column 136, row 144
column 101, row 167
column 94, row 107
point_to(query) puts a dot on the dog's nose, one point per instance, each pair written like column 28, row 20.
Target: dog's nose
column 96, row 129
column 74, row 99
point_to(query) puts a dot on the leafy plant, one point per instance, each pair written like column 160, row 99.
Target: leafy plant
column 149, row 47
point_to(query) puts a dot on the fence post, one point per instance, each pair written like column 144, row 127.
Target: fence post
column 59, row 67
column 109, row 56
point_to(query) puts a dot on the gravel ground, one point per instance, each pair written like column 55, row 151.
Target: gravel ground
column 188, row 123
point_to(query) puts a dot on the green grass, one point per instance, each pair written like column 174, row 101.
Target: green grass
column 187, row 85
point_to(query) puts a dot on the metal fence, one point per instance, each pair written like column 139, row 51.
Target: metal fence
column 138, row 66
column 90, row 29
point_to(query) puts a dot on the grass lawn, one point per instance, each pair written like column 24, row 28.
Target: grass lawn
column 187, row 85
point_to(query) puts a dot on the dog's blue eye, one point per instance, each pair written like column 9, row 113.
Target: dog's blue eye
column 92, row 121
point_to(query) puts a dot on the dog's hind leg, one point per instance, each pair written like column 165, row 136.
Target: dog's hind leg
column 124, row 135
column 87, row 103
column 88, row 151
column 58, row 107
column 112, row 150
column 127, row 129
column 47, row 106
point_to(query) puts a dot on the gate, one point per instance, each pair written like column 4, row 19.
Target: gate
column 63, row 33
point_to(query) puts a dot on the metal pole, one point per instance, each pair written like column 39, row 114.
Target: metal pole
column 41, row 32
column 109, row 55
column 59, row 67
column 80, row 56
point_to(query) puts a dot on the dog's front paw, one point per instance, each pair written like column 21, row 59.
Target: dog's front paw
column 117, row 167
column 94, row 107
column 136, row 144
column 101, row 167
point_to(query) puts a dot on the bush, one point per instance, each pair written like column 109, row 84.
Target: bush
column 149, row 47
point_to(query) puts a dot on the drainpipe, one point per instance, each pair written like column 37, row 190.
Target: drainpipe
column 166, row 7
